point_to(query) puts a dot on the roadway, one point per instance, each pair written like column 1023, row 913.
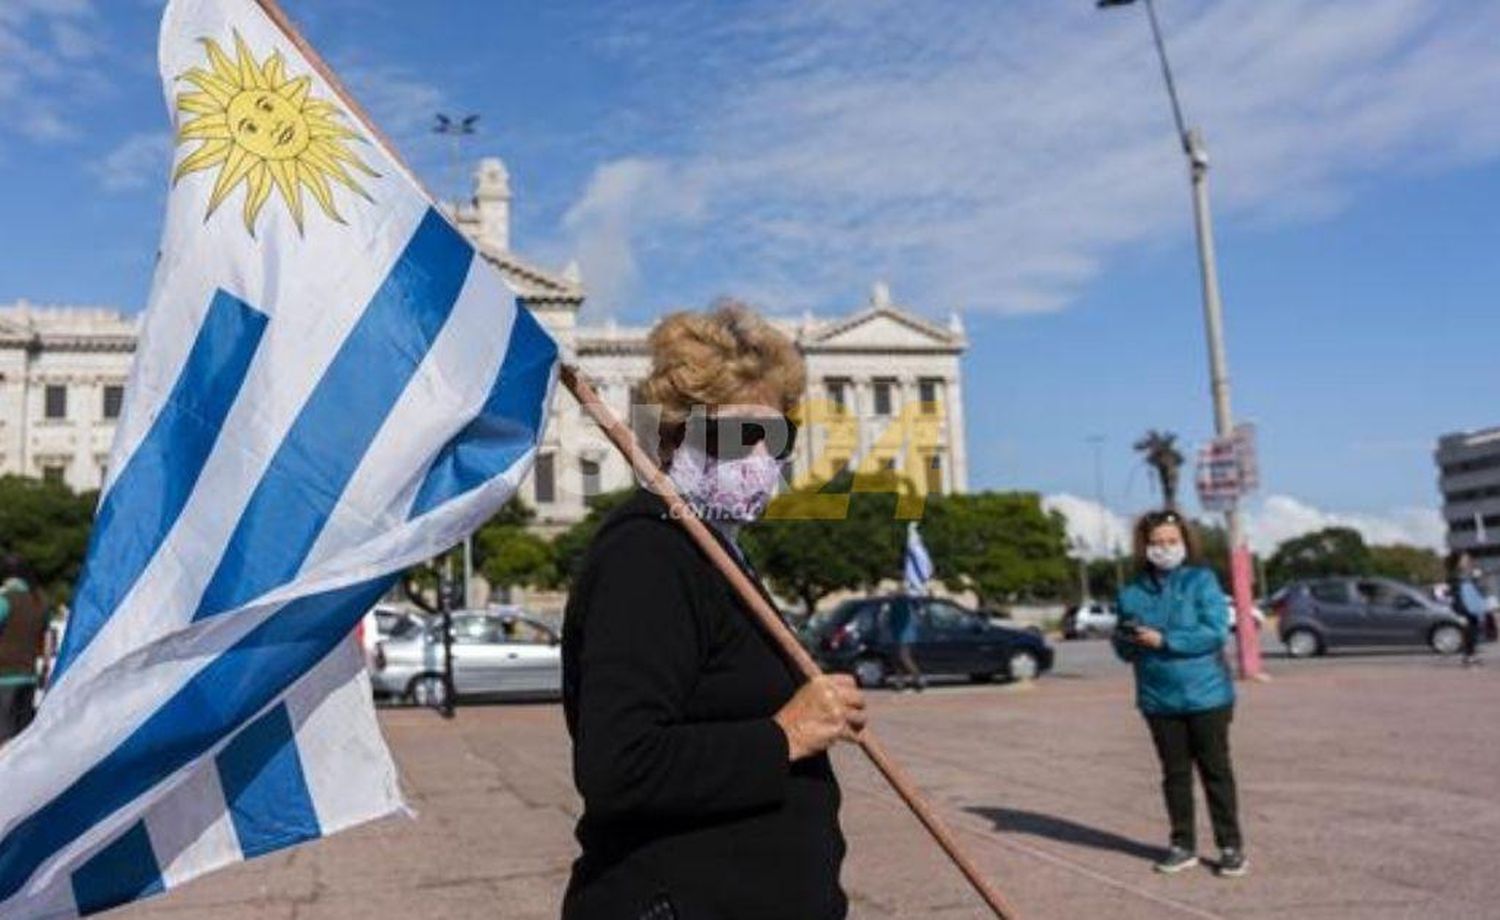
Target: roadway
column 1367, row 785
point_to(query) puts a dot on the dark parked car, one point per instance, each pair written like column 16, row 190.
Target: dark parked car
column 857, row 638
column 1325, row 613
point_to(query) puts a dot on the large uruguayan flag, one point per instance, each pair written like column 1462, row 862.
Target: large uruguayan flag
column 330, row 387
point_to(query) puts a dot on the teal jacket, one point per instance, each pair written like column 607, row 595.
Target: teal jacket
column 1188, row 673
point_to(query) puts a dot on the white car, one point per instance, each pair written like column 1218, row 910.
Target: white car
column 1090, row 618
column 496, row 653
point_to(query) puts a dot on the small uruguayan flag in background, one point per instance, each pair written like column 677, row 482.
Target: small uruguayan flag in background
column 330, row 387
column 918, row 563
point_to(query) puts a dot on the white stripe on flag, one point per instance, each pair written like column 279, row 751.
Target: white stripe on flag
column 344, row 760
column 190, row 828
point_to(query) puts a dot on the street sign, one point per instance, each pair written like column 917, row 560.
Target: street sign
column 1228, row 468
column 1218, row 476
column 1247, row 456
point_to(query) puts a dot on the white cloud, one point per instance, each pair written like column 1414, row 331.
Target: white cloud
column 994, row 156
column 1281, row 517
column 137, row 162
column 399, row 101
column 73, row 42
column 1268, row 523
column 405, row 107
column 48, row 53
column 1095, row 530
column 624, row 197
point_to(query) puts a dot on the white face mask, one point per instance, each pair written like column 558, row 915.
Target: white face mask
column 725, row 491
column 1166, row 557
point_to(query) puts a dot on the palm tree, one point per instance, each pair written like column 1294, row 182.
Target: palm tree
column 1159, row 448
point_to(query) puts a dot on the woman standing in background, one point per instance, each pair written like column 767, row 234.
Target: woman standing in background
column 1174, row 622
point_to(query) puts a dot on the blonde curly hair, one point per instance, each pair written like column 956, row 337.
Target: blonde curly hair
column 712, row 357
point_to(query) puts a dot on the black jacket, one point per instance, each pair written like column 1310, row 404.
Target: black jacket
column 669, row 689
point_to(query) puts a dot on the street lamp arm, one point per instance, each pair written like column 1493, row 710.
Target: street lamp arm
column 1166, row 72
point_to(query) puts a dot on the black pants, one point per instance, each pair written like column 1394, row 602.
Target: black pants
column 16, row 709
column 1471, row 635
column 1201, row 739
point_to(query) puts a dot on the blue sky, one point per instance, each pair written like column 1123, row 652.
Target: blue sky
column 1013, row 162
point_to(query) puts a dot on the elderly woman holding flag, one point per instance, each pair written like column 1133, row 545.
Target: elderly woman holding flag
column 706, row 787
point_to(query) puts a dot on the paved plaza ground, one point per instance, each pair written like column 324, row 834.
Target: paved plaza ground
column 1370, row 788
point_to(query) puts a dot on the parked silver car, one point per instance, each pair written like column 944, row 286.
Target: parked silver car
column 1325, row 613
column 496, row 653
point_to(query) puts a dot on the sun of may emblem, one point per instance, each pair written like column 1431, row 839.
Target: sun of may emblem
column 261, row 129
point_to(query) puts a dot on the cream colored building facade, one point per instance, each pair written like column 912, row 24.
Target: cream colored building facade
column 884, row 385
column 62, row 382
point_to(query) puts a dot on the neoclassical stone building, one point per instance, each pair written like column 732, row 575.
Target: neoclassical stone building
column 62, row 382
column 884, row 385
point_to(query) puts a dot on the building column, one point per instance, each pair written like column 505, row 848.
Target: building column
column 953, row 423
column 860, row 406
column 807, row 451
column 910, row 450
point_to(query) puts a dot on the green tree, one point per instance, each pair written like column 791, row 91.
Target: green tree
column 1159, row 450
column 1411, row 564
column 1330, row 551
column 1213, row 548
column 420, row 582
column 509, row 555
column 47, row 525
column 1000, row 545
column 1107, row 576
column 826, row 537
column 569, row 546
column 516, row 557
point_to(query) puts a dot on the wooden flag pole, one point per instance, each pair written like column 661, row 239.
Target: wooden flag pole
column 657, row 480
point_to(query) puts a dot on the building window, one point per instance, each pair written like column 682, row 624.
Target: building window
column 838, row 394
column 934, row 473
column 114, row 398
column 590, row 469
column 888, row 464
column 544, row 479
column 883, row 390
column 56, row 398
column 1471, row 466
column 1472, row 495
column 1491, row 523
column 927, row 395
column 54, row 473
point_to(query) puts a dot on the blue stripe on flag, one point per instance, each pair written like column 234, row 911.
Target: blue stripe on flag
column 123, row 871
column 505, row 428
column 240, row 682
column 155, row 483
column 267, row 794
column 333, row 431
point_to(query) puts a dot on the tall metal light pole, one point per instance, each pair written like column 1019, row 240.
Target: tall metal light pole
column 1246, row 635
column 455, row 131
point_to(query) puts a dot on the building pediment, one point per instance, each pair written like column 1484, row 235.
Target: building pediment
column 883, row 328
